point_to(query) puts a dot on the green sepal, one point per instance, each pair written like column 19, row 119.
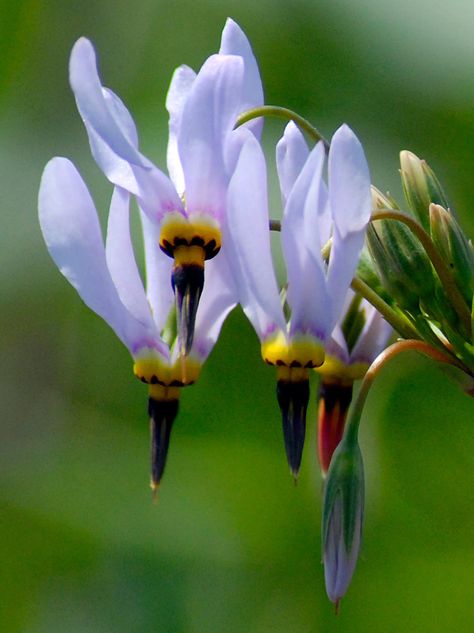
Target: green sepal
column 420, row 186
column 455, row 249
column 403, row 266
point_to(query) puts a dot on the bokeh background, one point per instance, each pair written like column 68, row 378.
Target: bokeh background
column 232, row 545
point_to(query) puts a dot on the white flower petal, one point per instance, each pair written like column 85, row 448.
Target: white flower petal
column 349, row 182
column 291, row 155
column 92, row 105
column 158, row 273
column 180, row 86
column 248, row 241
column 374, row 336
column 235, row 42
column 337, row 346
column 72, row 234
column 307, row 296
column 120, row 258
column 208, row 115
column 343, row 260
column 219, row 297
column 113, row 137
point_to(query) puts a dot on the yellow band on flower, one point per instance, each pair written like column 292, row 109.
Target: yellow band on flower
column 302, row 350
column 153, row 371
column 333, row 370
column 199, row 229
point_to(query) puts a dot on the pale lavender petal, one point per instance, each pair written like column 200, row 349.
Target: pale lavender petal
column 307, row 296
column 311, row 184
column 291, row 155
column 113, row 137
column 158, row 273
column 219, row 297
column 180, row 86
column 72, row 234
column 374, row 336
column 121, row 259
column 349, row 182
column 337, row 346
column 248, row 241
column 93, row 106
column 208, row 116
column 343, row 260
column 235, row 42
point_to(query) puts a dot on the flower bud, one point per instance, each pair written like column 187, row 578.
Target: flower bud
column 403, row 266
column 455, row 249
column 420, row 185
column 343, row 511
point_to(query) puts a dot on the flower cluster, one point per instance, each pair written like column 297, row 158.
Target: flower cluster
column 207, row 249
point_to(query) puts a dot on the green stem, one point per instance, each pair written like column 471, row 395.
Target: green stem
column 439, row 265
column 352, row 426
column 283, row 113
column 399, row 323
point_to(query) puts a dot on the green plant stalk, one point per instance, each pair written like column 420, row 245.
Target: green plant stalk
column 443, row 272
column 352, row 425
column 283, row 113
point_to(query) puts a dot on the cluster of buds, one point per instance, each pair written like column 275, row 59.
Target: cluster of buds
column 207, row 250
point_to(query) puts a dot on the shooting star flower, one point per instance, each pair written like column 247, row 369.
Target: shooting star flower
column 315, row 291
column 108, row 281
column 189, row 207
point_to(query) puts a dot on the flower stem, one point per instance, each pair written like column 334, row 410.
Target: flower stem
column 283, row 113
column 352, row 426
column 399, row 323
column 439, row 265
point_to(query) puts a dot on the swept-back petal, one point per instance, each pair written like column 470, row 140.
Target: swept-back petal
column 120, row 258
column 208, row 115
column 180, row 86
column 158, row 273
column 313, row 190
column 343, row 259
column 349, row 182
column 113, row 137
column 92, row 105
column 248, row 241
column 117, row 169
column 219, row 297
column 307, row 294
column 374, row 336
column 235, row 42
column 72, row 234
column 291, row 155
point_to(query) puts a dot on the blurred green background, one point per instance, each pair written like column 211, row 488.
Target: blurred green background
column 232, row 545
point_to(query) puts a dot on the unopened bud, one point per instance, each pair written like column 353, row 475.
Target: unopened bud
column 381, row 200
column 343, row 511
column 455, row 249
column 420, row 185
column 404, row 268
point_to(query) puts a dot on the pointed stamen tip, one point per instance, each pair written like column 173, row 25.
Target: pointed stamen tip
column 295, row 474
column 154, row 485
column 336, row 606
